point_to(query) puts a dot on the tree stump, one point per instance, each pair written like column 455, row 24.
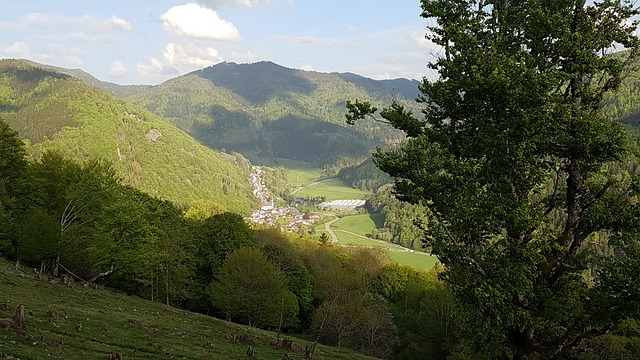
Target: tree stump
column 18, row 318
column 251, row 352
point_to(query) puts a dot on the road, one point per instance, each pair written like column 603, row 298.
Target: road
column 327, row 226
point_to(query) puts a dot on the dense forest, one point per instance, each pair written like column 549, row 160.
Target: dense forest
column 265, row 111
column 55, row 112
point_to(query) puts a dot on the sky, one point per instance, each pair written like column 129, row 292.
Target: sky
column 150, row 41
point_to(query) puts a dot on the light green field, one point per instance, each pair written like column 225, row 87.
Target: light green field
column 332, row 189
column 300, row 174
column 345, row 238
column 360, row 224
column 418, row 260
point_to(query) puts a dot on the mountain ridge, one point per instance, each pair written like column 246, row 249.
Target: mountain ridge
column 266, row 111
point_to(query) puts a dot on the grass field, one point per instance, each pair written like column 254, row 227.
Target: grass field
column 360, row 224
column 300, row 174
column 347, row 227
column 332, row 189
column 418, row 260
column 345, row 238
column 117, row 323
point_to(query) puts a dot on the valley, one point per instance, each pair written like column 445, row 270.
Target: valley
column 344, row 228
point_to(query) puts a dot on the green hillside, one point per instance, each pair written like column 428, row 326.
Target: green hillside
column 115, row 89
column 112, row 322
column 266, row 111
column 54, row 111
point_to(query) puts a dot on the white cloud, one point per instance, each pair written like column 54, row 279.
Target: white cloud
column 87, row 22
column 216, row 4
column 178, row 59
column 117, row 69
column 16, row 50
column 308, row 40
column 8, row 25
column 73, row 60
column 195, row 21
column 37, row 18
column 247, row 56
column 308, row 67
column 119, row 23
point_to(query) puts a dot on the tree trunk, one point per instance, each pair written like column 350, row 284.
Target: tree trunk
column 18, row 318
column 166, row 282
column 56, row 266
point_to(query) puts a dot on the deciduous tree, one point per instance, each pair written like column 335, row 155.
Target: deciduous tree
column 252, row 290
column 513, row 158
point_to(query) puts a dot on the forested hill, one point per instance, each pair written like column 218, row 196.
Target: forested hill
column 54, row 111
column 266, row 111
column 115, row 89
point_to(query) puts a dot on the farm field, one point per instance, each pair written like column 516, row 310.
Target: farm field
column 416, row 259
column 331, row 189
column 362, row 224
column 352, row 230
column 300, row 174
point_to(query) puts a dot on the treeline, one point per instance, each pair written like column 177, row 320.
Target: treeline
column 364, row 176
column 77, row 220
column 404, row 223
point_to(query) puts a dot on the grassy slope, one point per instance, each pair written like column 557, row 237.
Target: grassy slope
column 57, row 112
column 55, row 309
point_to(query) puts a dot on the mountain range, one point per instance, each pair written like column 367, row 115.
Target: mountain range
column 266, row 112
column 154, row 135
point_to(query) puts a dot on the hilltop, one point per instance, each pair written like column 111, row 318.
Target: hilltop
column 113, row 88
column 54, row 111
column 266, row 111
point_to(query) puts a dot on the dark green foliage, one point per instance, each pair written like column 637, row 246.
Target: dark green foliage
column 38, row 237
column 281, row 253
column 513, row 161
column 257, row 82
column 265, row 111
column 14, row 185
column 252, row 290
column 404, row 223
column 423, row 310
column 13, row 169
column 216, row 238
column 365, row 176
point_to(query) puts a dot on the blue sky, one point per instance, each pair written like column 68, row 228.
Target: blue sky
column 149, row 41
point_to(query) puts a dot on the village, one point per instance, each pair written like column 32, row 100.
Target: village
column 288, row 217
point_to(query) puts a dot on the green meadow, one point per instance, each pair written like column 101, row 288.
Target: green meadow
column 331, row 189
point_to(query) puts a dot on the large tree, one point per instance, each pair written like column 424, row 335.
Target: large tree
column 252, row 290
column 516, row 164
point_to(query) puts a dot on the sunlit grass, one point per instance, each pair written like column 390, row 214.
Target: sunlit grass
column 416, row 259
column 332, row 189
column 116, row 323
